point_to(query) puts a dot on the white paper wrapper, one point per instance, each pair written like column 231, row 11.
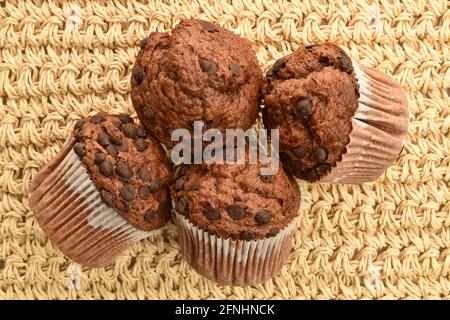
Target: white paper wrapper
column 70, row 211
column 380, row 125
column 234, row 262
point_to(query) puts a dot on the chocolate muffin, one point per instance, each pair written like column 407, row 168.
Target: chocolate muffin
column 105, row 190
column 313, row 97
column 128, row 167
column 221, row 207
column 200, row 71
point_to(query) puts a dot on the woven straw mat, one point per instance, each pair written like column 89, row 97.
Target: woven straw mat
column 389, row 239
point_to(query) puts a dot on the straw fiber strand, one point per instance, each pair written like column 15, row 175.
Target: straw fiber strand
column 62, row 60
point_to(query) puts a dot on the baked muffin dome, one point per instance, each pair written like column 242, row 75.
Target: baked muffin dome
column 127, row 166
column 311, row 96
column 200, row 71
column 235, row 200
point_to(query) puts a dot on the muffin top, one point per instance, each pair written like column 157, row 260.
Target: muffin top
column 200, row 71
column 311, row 96
column 235, row 200
column 128, row 167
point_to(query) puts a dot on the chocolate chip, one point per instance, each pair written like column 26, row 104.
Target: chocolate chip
column 149, row 216
column 321, row 154
column 266, row 178
column 141, row 144
column 278, row 65
column 106, row 168
column 154, row 186
column 96, row 119
column 209, row 67
column 324, row 167
column 144, row 192
column 127, row 192
column 208, row 26
column 235, row 69
column 129, row 130
column 236, row 211
column 211, row 213
column 79, row 125
column 124, row 170
column 303, row 108
column 248, row 235
column 115, row 141
column 263, row 217
column 103, row 139
column 325, row 61
column 299, row 151
column 111, row 150
column 107, row 198
column 141, row 132
column 272, row 232
column 148, row 113
column 138, row 74
column 123, row 147
column 346, row 62
column 79, row 149
column 99, row 157
column 164, row 45
column 124, row 118
column 144, row 174
column 2, row 264
column 143, row 43
column 181, row 205
column 117, row 123
column 124, row 207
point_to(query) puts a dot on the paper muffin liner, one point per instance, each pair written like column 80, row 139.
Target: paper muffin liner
column 71, row 212
column 233, row 262
column 380, row 125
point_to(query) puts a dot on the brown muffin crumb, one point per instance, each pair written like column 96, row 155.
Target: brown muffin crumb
column 120, row 169
column 311, row 96
column 231, row 200
column 200, row 71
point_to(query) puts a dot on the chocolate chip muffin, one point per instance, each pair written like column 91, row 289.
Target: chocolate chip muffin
column 200, row 71
column 128, row 167
column 311, row 96
column 104, row 191
column 338, row 121
column 223, row 208
column 235, row 200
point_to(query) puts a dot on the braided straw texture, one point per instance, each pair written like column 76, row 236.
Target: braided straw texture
column 60, row 61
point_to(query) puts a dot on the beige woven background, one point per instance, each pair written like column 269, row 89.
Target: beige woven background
column 389, row 239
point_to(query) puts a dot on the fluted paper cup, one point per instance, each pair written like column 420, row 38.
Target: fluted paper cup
column 233, row 262
column 380, row 125
column 71, row 212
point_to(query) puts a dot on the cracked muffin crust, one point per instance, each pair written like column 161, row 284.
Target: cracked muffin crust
column 127, row 166
column 235, row 200
column 311, row 96
column 200, row 71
